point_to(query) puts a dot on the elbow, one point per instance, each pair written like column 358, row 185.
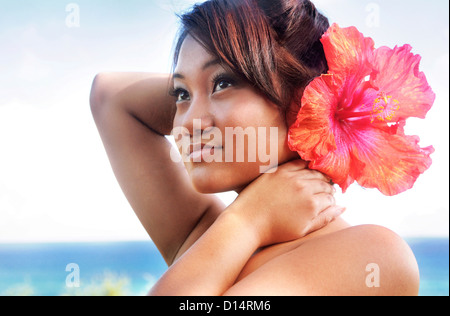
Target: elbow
column 99, row 95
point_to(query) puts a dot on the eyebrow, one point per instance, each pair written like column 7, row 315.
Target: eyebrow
column 207, row 65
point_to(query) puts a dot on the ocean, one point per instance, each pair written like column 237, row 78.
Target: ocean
column 131, row 268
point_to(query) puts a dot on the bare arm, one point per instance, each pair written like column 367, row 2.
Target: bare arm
column 142, row 95
column 331, row 264
column 213, row 263
column 262, row 215
column 133, row 112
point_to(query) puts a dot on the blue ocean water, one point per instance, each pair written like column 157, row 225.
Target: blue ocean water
column 432, row 256
column 40, row 269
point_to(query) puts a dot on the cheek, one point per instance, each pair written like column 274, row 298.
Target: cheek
column 266, row 122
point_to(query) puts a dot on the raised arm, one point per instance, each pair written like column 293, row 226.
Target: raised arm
column 133, row 112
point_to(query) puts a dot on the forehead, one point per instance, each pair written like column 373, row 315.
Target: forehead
column 192, row 56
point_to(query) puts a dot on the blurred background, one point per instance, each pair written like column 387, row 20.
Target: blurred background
column 65, row 225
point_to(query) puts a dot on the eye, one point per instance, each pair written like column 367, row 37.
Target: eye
column 180, row 94
column 221, row 83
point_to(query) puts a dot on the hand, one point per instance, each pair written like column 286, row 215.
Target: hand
column 288, row 204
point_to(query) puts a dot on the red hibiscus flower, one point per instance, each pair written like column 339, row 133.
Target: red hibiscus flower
column 351, row 123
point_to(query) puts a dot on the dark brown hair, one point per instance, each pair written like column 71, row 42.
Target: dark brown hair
column 273, row 44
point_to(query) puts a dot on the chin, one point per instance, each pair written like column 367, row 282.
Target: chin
column 221, row 177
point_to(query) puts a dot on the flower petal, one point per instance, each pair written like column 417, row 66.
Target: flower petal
column 339, row 165
column 319, row 137
column 398, row 76
column 311, row 135
column 392, row 163
column 348, row 51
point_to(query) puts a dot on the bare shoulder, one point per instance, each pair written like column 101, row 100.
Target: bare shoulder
column 370, row 259
column 362, row 260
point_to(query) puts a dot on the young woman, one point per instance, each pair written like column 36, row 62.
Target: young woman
column 240, row 64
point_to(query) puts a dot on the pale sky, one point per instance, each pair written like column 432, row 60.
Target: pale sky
column 56, row 183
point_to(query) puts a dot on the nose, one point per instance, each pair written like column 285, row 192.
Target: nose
column 198, row 117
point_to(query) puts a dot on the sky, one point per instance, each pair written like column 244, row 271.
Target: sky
column 56, row 183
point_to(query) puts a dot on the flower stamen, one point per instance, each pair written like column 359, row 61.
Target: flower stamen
column 384, row 107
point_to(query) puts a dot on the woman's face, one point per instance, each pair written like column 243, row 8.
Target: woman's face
column 241, row 132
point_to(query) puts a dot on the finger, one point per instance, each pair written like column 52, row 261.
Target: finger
column 323, row 201
column 328, row 197
column 326, row 217
column 309, row 174
column 295, row 165
column 320, row 187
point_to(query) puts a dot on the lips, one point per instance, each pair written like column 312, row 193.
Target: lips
column 196, row 151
